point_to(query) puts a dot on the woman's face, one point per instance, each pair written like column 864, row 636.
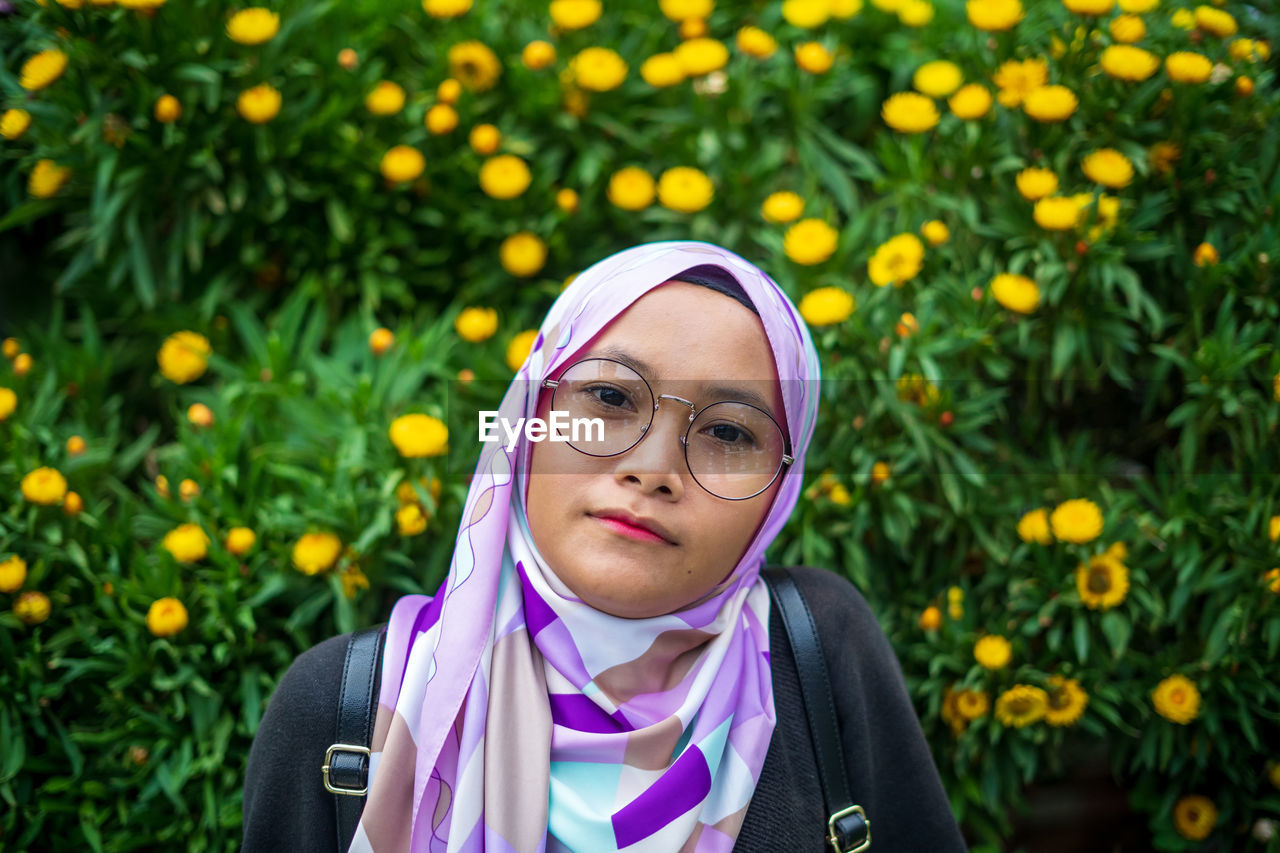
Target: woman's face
column 695, row 343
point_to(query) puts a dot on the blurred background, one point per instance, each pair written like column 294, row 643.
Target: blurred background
column 248, row 255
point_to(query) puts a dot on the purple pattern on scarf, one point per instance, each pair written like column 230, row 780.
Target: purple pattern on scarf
column 683, row 786
column 578, row 712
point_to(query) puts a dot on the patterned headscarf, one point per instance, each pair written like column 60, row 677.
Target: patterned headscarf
column 514, row 717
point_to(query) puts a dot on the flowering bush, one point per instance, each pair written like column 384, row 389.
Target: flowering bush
column 1035, row 246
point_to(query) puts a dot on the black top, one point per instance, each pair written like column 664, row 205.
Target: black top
column 891, row 772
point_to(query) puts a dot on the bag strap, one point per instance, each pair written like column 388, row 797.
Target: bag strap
column 848, row 829
column 346, row 762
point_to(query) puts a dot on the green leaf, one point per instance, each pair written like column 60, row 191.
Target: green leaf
column 1080, row 633
column 1117, row 629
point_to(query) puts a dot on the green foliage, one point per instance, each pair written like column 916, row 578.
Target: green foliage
column 1142, row 381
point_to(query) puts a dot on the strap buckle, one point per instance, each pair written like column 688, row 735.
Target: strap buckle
column 328, row 764
column 833, row 833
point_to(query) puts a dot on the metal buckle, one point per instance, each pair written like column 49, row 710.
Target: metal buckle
column 831, row 830
column 328, row 759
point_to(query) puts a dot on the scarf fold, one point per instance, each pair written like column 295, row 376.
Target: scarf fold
column 512, row 716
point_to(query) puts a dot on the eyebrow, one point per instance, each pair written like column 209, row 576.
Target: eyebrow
column 722, row 392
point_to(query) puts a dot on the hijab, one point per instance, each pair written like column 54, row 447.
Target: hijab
column 514, row 717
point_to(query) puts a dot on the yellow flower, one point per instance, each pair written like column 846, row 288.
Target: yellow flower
column 1016, row 292
column 1021, row 705
column 972, row 704
column 631, row 188
column 599, row 69
column 198, row 414
column 315, row 552
column 1275, row 391
column 381, row 340
column 1035, row 183
column 353, row 578
column 8, row 402
column 661, row 70
column 896, row 261
column 1104, row 583
column 680, row 10
column 418, row 435
column 1183, row 19
column 13, row 574
column 1034, row 527
column 806, row 14
column 1248, row 50
column 1162, row 156
column 184, row 356
column 936, row 232
column 441, row 119
column 410, row 520
column 700, row 56
column 1273, row 528
column 449, row 91
column 167, row 109
column 1177, row 699
column 47, row 178
column 575, row 14
column 827, row 306
column 1272, row 580
column 11, row 347
column 1127, row 29
column 1206, row 255
column 505, row 176
column 444, row 9
column 519, row 348
column 938, row 78
column 45, row 486
column 809, row 242
column 915, row 13
column 73, row 504
column 993, row 15
column 1138, row 7
column 14, row 123
column 684, row 189
column 1215, row 21
column 1089, row 7
column 386, row 99
column 1066, row 701
column 255, row 25
column 880, row 472
column 402, row 163
column 1194, row 817
column 240, row 540
column 754, row 41
column 907, row 325
column 474, row 65
column 693, row 28
column 32, row 607
column 971, row 102
column 1188, row 67
column 840, row 495
column 1244, row 87
column 1050, row 103
column 813, row 58
column 1126, row 62
column 260, row 104
column 1078, row 520
column 22, row 364
column 476, row 324
column 348, row 58
column 523, row 254
column 909, row 112
column 782, row 207
column 42, row 69
column 993, row 652
column 187, row 543
column 930, row 619
column 1056, row 213
column 1016, row 79
column 407, row 494
column 1108, row 167
column 538, row 55
column 567, row 200
column 166, row 617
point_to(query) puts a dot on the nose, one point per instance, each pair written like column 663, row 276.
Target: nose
column 656, row 463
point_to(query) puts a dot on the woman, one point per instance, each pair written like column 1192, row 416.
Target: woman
column 600, row 670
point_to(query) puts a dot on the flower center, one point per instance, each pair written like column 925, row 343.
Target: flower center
column 1099, row 581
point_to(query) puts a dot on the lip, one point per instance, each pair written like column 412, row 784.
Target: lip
column 637, row 527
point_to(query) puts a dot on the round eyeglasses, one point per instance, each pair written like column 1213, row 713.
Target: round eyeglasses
column 733, row 449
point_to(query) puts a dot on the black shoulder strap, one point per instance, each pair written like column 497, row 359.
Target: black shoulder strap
column 346, row 763
column 848, row 829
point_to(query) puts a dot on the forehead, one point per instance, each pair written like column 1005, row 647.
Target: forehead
column 685, row 331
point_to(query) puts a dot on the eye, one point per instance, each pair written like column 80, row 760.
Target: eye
column 608, row 396
column 730, row 434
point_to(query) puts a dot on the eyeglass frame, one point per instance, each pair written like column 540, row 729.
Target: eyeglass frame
column 694, row 411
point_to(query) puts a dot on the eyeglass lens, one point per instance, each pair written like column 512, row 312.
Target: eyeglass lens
column 734, row 450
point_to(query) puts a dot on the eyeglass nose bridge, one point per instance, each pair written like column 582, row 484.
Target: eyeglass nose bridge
column 693, row 412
